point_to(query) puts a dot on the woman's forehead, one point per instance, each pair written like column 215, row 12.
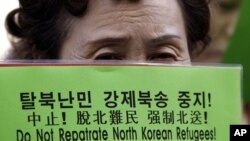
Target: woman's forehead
column 138, row 24
column 169, row 6
column 148, row 16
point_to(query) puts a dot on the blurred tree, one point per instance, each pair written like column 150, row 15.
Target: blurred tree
column 239, row 47
column 224, row 18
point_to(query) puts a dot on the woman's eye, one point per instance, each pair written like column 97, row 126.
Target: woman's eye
column 163, row 57
column 108, row 56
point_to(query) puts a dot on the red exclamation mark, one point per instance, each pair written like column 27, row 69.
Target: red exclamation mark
column 64, row 118
column 205, row 117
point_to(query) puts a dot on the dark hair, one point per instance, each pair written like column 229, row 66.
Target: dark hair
column 39, row 27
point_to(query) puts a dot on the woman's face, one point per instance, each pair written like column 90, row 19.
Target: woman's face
column 146, row 30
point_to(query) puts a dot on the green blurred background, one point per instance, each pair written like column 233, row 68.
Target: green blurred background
column 230, row 32
column 238, row 51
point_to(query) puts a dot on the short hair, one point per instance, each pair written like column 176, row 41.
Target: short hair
column 39, row 27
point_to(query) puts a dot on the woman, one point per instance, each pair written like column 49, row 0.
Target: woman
column 145, row 30
column 166, row 30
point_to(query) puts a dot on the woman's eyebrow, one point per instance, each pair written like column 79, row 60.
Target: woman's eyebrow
column 95, row 44
column 163, row 38
column 107, row 40
column 170, row 39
